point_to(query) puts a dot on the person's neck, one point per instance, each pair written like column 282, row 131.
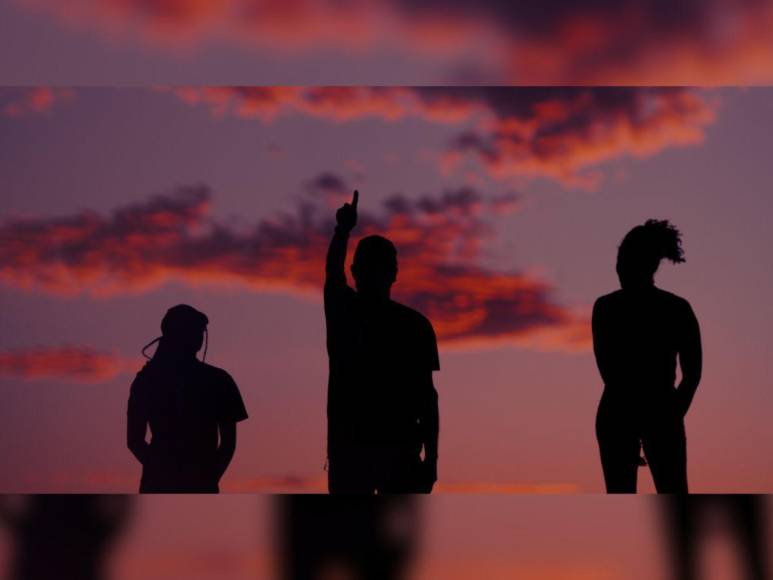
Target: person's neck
column 375, row 297
column 174, row 356
column 639, row 288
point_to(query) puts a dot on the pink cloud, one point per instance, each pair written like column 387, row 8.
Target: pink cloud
column 173, row 238
column 569, row 42
column 15, row 102
column 79, row 364
column 561, row 133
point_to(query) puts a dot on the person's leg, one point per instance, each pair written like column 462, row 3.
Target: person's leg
column 665, row 446
column 619, row 450
column 350, row 474
column 400, row 472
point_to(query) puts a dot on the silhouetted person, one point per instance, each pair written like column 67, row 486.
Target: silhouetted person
column 747, row 521
column 63, row 536
column 358, row 538
column 638, row 333
column 187, row 404
column 382, row 405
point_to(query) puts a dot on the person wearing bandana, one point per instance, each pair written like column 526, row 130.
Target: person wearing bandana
column 191, row 408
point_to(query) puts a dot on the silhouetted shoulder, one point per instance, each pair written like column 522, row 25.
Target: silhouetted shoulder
column 138, row 393
column 229, row 405
column 215, row 374
column 672, row 298
column 418, row 329
column 680, row 306
column 607, row 301
column 412, row 316
column 611, row 297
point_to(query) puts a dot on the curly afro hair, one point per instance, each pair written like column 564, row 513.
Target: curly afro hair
column 656, row 239
column 642, row 249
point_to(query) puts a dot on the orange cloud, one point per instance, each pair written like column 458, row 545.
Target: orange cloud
column 16, row 102
column 647, row 42
column 562, row 133
column 566, row 134
column 68, row 363
column 173, row 238
column 521, row 41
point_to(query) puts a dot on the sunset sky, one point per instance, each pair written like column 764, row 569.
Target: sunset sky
column 707, row 42
column 506, row 205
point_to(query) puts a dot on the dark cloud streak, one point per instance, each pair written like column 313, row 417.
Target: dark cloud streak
column 174, row 238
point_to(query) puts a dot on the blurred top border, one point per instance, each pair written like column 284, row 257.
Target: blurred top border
column 387, row 42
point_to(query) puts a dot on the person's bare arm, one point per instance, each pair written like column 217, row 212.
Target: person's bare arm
column 690, row 361
column 227, row 447
column 136, row 427
column 346, row 219
column 429, row 421
column 600, row 342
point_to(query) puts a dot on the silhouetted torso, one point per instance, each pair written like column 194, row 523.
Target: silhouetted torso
column 381, row 353
column 637, row 336
column 183, row 405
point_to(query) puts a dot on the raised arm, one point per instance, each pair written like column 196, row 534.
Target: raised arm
column 346, row 219
column 690, row 360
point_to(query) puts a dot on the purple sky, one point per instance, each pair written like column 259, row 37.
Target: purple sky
column 511, row 414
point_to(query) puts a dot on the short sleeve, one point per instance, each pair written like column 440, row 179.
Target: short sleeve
column 231, row 406
column 138, row 404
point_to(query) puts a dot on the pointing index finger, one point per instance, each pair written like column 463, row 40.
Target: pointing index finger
column 355, row 199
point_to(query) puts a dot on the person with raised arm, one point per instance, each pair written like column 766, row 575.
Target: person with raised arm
column 382, row 406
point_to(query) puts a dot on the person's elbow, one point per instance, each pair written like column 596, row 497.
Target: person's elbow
column 228, row 447
column 134, row 443
column 432, row 397
column 135, row 439
column 693, row 378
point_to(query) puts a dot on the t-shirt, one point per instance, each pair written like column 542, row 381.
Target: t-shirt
column 183, row 405
column 381, row 357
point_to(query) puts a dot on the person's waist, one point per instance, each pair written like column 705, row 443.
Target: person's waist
column 182, row 445
column 645, row 386
column 371, row 448
column 639, row 396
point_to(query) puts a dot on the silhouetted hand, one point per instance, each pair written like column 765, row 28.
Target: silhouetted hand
column 346, row 216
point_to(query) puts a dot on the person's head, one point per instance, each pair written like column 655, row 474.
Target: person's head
column 642, row 249
column 375, row 266
column 182, row 331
